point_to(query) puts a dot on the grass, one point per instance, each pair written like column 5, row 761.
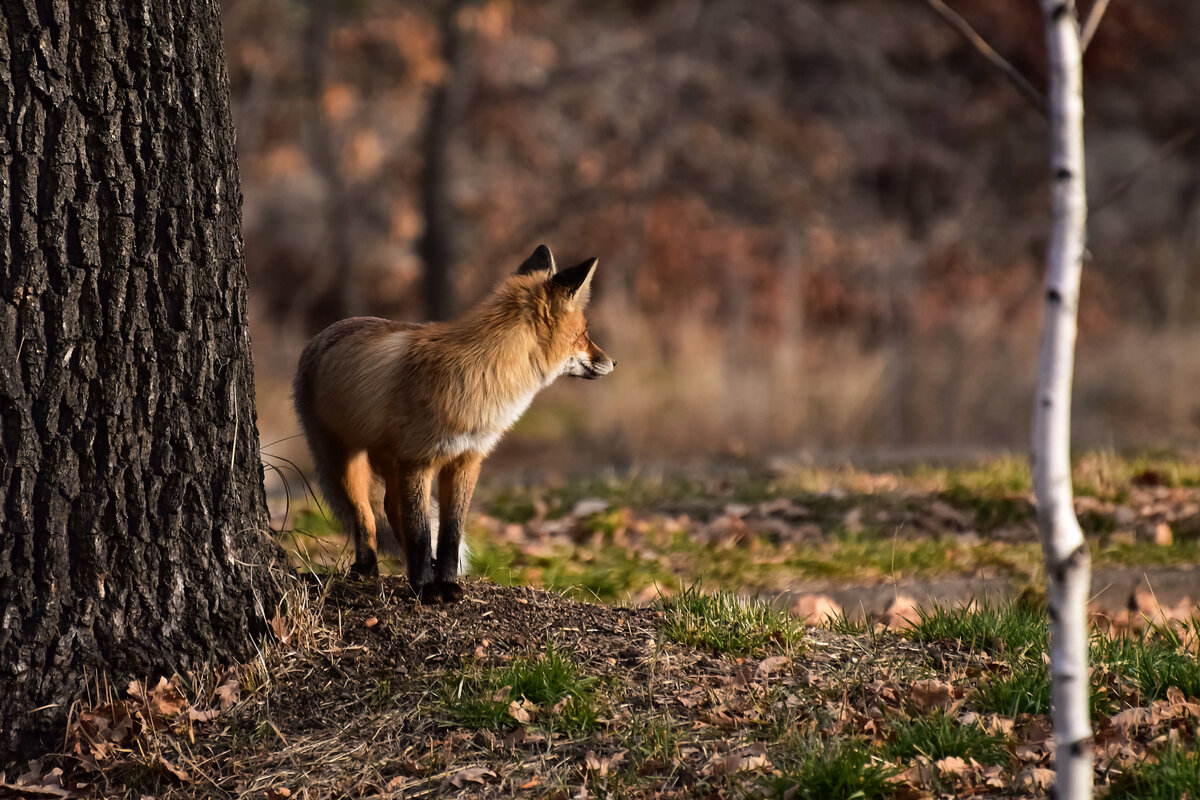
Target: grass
column 940, row 736
column 1173, row 775
column 1151, row 661
column 1013, row 629
column 549, row 687
column 725, row 623
column 840, row 769
column 1023, row 690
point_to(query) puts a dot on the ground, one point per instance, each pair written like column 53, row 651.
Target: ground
column 520, row 692
column 698, row 677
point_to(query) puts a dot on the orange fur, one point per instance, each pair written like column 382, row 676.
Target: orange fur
column 416, row 400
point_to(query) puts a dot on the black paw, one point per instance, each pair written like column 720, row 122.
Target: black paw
column 440, row 592
column 367, row 570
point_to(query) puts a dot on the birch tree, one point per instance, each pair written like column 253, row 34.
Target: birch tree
column 1068, row 562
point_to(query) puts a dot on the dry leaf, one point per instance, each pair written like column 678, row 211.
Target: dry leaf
column 752, row 757
column 471, row 775
column 196, row 715
column 170, row 768
column 229, row 692
column 902, row 614
column 814, row 609
column 952, row 765
column 772, row 664
column 518, row 711
column 1036, row 778
column 931, row 695
column 1134, row 719
column 279, row 793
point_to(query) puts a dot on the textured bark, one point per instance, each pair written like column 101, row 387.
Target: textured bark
column 1068, row 562
column 132, row 515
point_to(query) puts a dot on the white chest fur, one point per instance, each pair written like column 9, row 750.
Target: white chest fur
column 485, row 438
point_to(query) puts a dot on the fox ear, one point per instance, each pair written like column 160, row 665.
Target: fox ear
column 577, row 281
column 541, row 261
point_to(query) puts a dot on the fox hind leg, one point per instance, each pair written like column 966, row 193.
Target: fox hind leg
column 344, row 479
column 356, row 484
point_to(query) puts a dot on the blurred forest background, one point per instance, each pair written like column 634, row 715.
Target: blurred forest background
column 821, row 224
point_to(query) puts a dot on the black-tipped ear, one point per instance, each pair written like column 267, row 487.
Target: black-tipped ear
column 541, row 261
column 578, row 279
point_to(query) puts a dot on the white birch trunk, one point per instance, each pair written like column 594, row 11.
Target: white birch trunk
column 1068, row 562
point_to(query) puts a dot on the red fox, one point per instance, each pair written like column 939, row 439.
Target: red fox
column 404, row 403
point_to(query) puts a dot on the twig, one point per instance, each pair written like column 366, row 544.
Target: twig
column 964, row 29
column 1162, row 153
column 1091, row 23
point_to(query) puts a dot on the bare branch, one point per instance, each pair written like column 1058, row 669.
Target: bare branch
column 1091, row 23
column 1160, row 154
column 964, row 29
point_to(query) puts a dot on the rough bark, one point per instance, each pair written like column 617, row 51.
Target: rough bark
column 1068, row 562
column 132, row 515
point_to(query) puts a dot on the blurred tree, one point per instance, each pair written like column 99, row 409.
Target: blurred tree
column 131, row 491
column 445, row 108
column 345, row 296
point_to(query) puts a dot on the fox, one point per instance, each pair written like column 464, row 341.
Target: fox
column 398, row 404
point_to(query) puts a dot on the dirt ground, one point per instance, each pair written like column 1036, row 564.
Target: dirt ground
column 358, row 698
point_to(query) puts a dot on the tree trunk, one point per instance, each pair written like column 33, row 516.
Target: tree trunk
column 435, row 243
column 132, row 518
column 1068, row 562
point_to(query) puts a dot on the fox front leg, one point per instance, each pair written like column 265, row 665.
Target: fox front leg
column 407, row 506
column 456, row 484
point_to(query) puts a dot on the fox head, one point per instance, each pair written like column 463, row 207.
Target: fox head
column 560, row 299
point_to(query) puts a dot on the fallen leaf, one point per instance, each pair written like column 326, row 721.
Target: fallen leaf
column 179, row 774
column 518, row 711
column 752, row 757
column 471, row 775
column 952, row 765
column 771, row 664
column 196, row 715
column 902, row 614
column 278, row 793
column 229, row 692
column 1037, row 778
column 931, row 695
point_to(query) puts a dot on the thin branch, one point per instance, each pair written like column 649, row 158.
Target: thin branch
column 1160, row 154
column 1091, row 23
column 964, row 29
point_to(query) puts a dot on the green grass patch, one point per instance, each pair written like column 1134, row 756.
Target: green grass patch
column 941, row 736
column 836, row 769
column 1172, row 775
column 1010, row 630
column 1025, row 689
column 725, row 623
column 1153, row 660
column 549, row 687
